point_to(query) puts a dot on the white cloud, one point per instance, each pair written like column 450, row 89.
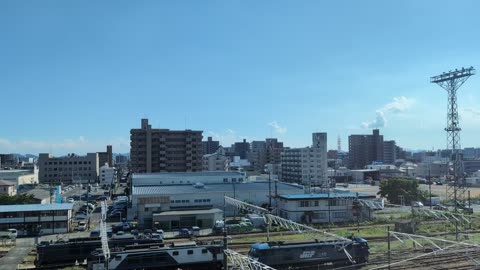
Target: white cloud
column 472, row 112
column 397, row 106
column 278, row 129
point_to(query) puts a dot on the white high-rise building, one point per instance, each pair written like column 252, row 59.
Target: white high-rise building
column 307, row 165
column 107, row 175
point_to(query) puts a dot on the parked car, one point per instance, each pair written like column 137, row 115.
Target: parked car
column 102, row 198
column 70, row 200
column 184, row 233
column 82, row 226
column 417, row 204
column 95, row 233
column 440, row 207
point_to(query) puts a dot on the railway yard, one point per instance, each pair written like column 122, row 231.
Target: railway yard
column 433, row 245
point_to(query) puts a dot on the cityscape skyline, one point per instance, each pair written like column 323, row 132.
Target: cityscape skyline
column 233, row 70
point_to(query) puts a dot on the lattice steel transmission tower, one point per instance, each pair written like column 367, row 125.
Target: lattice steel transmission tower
column 452, row 81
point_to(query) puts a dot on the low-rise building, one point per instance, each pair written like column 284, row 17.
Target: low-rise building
column 37, row 219
column 322, row 207
column 148, row 200
column 218, row 161
column 107, row 175
column 42, row 196
column 8, row 188
column 186, row 178
column 19, row 177
column 174, row 220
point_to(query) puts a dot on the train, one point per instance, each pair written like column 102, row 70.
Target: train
column 78, row 249
column 311, row 253
column 185, row 256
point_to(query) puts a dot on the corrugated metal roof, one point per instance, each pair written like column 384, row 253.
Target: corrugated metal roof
column 182, row 174
column 35, row 207
column 6, row 183
column 283, row 188
column 325, row 196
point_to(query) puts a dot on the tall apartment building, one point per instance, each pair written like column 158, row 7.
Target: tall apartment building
column 258, row 155
column 274, row 150
column 68, row 169
column 306, row 165
column 241, row 149
column 210, row 146
column 164, row 150
column 106, row 157
column 389, row 152
column 365, row 149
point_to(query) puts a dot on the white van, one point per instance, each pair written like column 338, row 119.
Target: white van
column 13, row 233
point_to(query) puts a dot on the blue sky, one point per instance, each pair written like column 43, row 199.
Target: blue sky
column 77, row 75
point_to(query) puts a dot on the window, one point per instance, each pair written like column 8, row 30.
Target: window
column 175, row 253
column 339, row 214
column 234, row 180
column 316, row 203
column 190, row 252
column 204, row 251
column 304, row 204
column 319, row 215
column 225, row 180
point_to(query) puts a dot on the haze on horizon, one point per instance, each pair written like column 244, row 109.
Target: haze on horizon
column 76, row 76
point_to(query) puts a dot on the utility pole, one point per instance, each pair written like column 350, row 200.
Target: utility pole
column 430, row 185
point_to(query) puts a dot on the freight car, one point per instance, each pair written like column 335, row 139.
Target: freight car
column 78, row 249
column 185, row 256
column 291, row 255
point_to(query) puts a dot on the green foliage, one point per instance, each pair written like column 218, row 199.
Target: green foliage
column 394, row 189
column 17, row 199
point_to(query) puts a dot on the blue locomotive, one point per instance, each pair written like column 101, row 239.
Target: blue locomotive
column 291, row 255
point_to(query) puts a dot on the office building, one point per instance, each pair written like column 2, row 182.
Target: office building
column 258, row 155
column 216, row 161
column 365, row 149
column 70, row 169
column 210, row 146
column 37, row 219
column 389, row 152
column 8, row 161
column 164, row 150
column 307, row 165
column 241, row 149
column 106, row 157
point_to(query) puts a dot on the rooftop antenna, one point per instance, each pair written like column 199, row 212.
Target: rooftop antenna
column 451, row 81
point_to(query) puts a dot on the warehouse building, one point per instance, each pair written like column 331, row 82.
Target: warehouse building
column 148, row 200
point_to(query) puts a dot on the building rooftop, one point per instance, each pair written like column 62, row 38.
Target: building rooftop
column 13, row 174
column 6, row 183
column 183, row 174
column 325, row 196
column 39, row 193
column 35, row 207
column 285, row 188
column 189, row 212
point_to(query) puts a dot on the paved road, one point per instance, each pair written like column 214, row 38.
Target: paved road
column 15, row 255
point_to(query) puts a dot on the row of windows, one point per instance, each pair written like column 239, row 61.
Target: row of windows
column 338, row 202
column 188, row 201
column 201, row 200
column 67, row 162
column 71, row 169
column 67, row 174
column 234, row 180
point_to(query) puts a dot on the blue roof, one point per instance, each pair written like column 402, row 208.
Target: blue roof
column 325, row 195
column 35, row 207
column 260, row 246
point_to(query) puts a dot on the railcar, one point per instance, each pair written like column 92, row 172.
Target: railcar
column 315, row 253
column 185, row 256
column 78, row 249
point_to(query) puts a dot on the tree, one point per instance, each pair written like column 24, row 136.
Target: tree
column 16, row 199
column 394, row 189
